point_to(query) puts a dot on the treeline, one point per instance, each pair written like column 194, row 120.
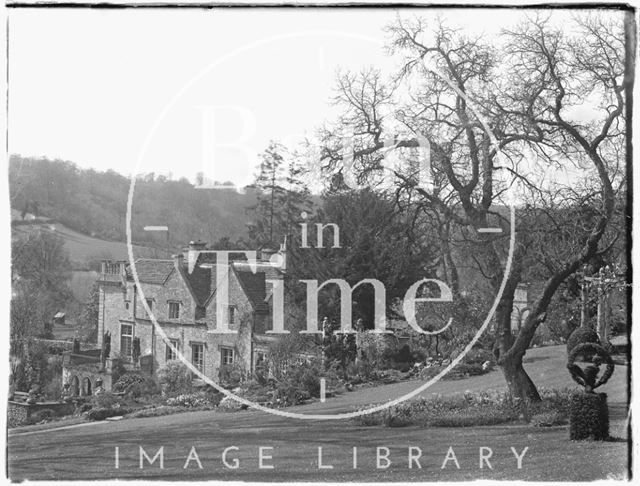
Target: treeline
column 95, row 203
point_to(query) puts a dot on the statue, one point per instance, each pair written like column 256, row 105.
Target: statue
column 99, row 388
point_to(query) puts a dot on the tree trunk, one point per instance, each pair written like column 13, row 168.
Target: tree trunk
column 519, row 383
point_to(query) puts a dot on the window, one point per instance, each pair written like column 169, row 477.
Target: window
column 170, row 355
column 174, row 310
column 197, row 356
column 126, row 339
column 226, row 356
column 126, row 304
column 232, row 314
column 150, row 304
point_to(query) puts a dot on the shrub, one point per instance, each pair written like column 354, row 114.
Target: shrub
column 127, row 380
column 40, row 415
column 105, row 400
column 582, row 335
column 478, row 356
column 231, row 375
column 466, row 369
column 191, row 400
column 104, row 413
column 85, row 407
column 53, row 388
column 135, row 385
column 117, row 368
column 174, row 378
column 589, row 416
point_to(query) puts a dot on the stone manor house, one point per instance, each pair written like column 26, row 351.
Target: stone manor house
column 183, row 303
column 181, row 294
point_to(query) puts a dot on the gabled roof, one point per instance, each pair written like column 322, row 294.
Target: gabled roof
column 199, row 283
column 254, row 286
column 152, row 271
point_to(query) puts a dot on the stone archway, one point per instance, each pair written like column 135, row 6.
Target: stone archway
column 86, row 387
column 75, row 386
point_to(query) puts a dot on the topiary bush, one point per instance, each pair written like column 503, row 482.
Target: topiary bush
column 589, row 416
column 582, row 335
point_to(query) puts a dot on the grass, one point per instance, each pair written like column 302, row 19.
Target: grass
column 87, row 453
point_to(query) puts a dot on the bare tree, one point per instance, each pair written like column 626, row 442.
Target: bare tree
column 459, row 93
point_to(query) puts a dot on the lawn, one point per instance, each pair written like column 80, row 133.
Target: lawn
column 88, row 452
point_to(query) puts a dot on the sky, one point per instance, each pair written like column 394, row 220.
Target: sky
column 185, row 91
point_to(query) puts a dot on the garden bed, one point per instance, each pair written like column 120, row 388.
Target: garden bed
column 474, row 409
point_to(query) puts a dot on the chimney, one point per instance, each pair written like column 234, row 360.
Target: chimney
column 178, row 260
column 266, row 254
column 283, row 255
column 195, row 247
column 113, row 267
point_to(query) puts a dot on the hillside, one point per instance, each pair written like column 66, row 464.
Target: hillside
column 82, row 248
column 88, row 202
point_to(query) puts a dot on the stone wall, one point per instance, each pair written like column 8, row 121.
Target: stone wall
column 21, row 413
column 85, row 372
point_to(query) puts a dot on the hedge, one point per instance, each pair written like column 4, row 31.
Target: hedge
column 589, row 416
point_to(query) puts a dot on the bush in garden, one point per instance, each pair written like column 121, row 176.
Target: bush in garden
column 582, row 335
column 231, row 375
column 478, row 356
column 191, row 400
column 85, row 407
column 117, row 368
column 175, row 378
column 127, row 380
column 147, row 388
column 136, row 385
column 589, row 416
column 104, row 413
column 105, row 400
column 463, row 369
column 471, row 409
column 40, row 415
